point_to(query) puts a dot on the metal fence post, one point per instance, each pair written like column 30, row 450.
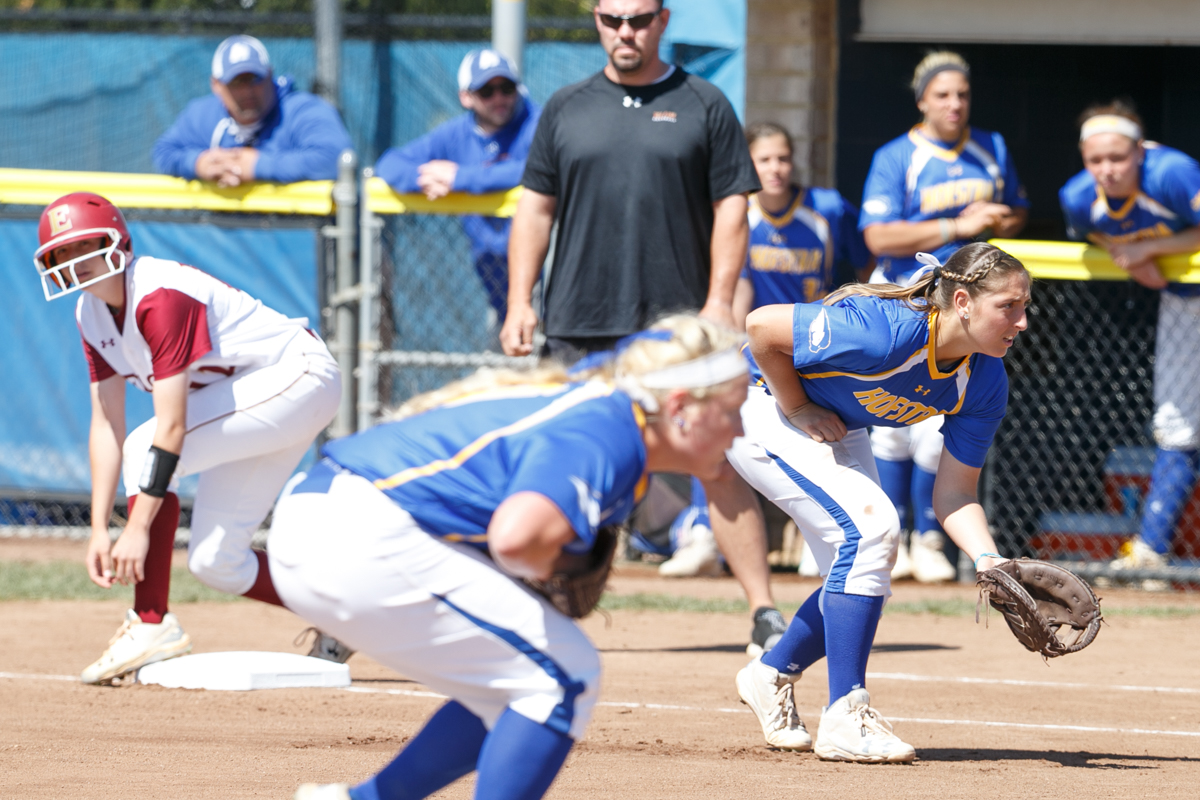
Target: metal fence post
column 508, row 30
column 368, row 311
column 327, row 38
column 345, row 237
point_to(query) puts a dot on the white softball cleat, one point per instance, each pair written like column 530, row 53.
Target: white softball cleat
column 853, row 731
column 137, row 644
column 771, row 696
column 322, row 791
column 699, row 556
column 929, row 562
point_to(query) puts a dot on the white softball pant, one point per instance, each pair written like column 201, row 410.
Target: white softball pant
column 831, row 491
column 1177, row 373
column 920, row 443
column 244, row 451
column 359, row 567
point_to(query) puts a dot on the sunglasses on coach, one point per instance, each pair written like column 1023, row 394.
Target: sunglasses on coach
column 636, row 21
column 507, row 88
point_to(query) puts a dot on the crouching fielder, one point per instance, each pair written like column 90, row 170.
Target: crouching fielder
column 439, row 514
column 871, row 354
column 240, row 391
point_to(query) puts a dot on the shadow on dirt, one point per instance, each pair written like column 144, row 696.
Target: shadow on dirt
column 1078, row 759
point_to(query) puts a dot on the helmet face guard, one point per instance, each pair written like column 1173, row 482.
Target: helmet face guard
column 62, row 279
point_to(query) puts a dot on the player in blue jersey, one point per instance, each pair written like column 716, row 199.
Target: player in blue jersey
column 798, row 238
column 798, row 235
column 933, row 189
column 869, row 355
column 439, row 514
column 1140, row 200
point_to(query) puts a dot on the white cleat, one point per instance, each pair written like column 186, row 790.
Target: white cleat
column 699, row 557
column 929, row 562
column 770, row 695
column 137, row 644
column 853, row 731
column 322, row 791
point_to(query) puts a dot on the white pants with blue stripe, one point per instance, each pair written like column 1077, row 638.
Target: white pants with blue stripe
column 360, row 568
column 831, row 490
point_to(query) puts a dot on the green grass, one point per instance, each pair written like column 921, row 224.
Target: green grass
column 663, row 602
column 68, row 580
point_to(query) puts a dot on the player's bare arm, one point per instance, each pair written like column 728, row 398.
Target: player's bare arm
column 526, row 535
column 956, row 503
column 771, row 343
column 905, row 238
column 1137, row 258
column 170, row 410
column 527, row 247
column 730, row 238
column 104, row 452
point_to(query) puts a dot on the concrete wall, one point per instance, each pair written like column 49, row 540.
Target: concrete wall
column 791, row 78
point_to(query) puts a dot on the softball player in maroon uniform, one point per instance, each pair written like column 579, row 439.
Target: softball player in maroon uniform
column 240, row 391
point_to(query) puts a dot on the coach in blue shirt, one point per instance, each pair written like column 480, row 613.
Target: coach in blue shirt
column 481, row 151
column 253, row 126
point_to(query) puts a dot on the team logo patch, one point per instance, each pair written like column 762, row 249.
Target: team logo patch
column 663, row 116
column 589, row 500
column 819, row 333
column 60, row 220
column 876, row 206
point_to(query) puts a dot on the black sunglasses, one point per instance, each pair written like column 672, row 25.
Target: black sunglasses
column 636, row 21
column 507, row 88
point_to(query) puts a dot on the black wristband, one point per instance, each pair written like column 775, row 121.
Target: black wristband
column 156, row 474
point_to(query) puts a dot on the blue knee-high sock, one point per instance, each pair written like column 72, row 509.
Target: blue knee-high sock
column 520, row 759
column 447, row 748
column 803, row 643
column 923, row 517
column 895, row 478
column 850, row 623
column 1170, row 486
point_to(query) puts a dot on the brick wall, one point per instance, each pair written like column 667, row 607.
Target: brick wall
column 791, row 78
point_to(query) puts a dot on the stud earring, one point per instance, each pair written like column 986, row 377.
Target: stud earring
column 679, row 422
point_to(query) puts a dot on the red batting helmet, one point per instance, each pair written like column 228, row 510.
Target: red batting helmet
column 78, row 217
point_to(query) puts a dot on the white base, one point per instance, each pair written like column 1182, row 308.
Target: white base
column 245, row 670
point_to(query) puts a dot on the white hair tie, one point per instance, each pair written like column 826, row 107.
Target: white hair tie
column 1110, row 123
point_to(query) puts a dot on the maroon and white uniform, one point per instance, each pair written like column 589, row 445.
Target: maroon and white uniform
column 262, row 387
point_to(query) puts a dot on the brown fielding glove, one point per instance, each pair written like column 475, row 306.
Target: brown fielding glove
column 1049, row 609
column 577, row 591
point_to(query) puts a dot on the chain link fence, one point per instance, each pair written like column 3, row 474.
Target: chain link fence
column 1068, row 475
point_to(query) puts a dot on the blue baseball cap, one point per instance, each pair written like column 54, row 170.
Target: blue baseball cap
column 238, row 55
column 480, row 66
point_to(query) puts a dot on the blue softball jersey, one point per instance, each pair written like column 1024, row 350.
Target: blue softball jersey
column 873, row 361
column 913, row 179
column 1167, row 201
column 578, row 444
column 792, row 255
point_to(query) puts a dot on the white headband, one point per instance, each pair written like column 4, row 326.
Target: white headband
column 1110, row 123
column 710, row 370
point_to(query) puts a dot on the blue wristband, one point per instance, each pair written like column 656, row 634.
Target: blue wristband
column 983, row 556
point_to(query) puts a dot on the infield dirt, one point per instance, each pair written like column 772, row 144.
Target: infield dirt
column 1121, row 719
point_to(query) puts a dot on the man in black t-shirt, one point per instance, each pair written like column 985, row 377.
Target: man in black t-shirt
column 646, row 171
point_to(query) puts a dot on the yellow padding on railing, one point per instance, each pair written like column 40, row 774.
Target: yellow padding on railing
column 1073, row 261
column 384, row 201
column 36, row 187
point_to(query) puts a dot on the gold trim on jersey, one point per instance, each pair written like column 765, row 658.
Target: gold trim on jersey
column 589, row 391
column 784, row 218
column 1123, row 211
column 944, row 153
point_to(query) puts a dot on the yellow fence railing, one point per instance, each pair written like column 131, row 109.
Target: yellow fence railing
column 1074, row 261
column 383, row 200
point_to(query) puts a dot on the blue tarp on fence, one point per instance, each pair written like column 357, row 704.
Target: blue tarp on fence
column 45, row 406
